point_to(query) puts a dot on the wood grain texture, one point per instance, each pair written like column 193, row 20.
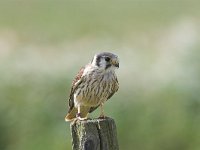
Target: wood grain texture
column 95, row 134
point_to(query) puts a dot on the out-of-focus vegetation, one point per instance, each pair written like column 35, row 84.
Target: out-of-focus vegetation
column 44, row 43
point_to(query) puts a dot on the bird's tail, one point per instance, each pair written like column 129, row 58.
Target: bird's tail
column 71, row 115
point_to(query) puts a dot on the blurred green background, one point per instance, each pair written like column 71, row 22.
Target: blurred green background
column 44, row 43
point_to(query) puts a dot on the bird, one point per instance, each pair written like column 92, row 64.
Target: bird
column 93, row 86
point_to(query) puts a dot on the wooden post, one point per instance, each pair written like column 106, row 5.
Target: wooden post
column 95, row 134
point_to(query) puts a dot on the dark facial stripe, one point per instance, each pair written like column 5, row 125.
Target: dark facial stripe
column 108, row 66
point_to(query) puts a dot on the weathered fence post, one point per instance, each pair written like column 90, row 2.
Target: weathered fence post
column 94, row 134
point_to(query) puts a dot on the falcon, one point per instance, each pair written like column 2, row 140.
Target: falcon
column 93, row 86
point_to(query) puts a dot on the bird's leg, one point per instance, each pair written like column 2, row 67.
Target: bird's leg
column 102, row 111
column 79, row 112
column 78, row 115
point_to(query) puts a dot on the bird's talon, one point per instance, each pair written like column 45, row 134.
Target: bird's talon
column 81, row 119
column 78, row 115
column 102, row 117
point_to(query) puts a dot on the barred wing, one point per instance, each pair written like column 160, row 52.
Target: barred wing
column 76, row 82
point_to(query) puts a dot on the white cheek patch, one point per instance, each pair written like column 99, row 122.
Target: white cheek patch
column 102, row 63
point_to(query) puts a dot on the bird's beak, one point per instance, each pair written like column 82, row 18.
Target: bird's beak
column 115, row 63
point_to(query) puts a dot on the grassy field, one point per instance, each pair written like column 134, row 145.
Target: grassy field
column 44, row 43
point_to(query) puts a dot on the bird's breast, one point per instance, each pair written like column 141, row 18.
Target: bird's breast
column 95, row 89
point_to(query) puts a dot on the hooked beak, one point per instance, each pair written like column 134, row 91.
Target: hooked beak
column 116, row 65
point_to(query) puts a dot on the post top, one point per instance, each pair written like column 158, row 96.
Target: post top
column 94, row 120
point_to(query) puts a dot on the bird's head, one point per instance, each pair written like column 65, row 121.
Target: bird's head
column 106, row 60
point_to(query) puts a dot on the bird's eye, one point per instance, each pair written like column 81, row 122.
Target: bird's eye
column 107, row 59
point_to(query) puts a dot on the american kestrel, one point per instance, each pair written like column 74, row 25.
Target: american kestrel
column 94, row 84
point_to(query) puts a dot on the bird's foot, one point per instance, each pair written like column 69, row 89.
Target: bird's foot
column 81, row 119
column 78, row 117
column 102, row 116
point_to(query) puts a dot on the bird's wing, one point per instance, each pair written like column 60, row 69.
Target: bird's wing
column 114, row 91
column 76, row 82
